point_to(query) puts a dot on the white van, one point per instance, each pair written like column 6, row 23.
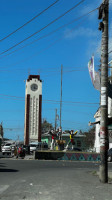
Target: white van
column 38, row 146
column 33, row 147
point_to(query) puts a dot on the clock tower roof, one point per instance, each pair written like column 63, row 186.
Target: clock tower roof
column 34, row 76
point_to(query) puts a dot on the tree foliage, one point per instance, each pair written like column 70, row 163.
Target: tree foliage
column 90, row 137
column 46, row 126
column 1, row 130
column 67, row 131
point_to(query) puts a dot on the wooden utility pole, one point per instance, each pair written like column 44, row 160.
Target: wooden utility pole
column 103, row 26
column 61, row 96
column 55, row 120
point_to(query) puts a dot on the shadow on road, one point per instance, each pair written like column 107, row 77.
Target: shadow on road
column 4, row 169
column 8, row 170
column 2, row 165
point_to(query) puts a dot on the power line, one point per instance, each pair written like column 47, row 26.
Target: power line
column 11, row 129
column 10, row 96
column 54, row 70
column 53, row 102
column 46, row 48
column 70, row 111
column 83, row 105
column 46, row 35
column 46, row 75
column 71, row 102
column 29, row 21
column 50, row 44
column 43, row 27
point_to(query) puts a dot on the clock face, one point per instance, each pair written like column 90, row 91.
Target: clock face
column 34, row 87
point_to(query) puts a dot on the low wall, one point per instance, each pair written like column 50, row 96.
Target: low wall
column 48, row 155
column 60, row 155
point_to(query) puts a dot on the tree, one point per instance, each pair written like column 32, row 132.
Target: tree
column 67, row 131
column 80, row 132
column 90, row 137
column 1, row 129
column 46, row 126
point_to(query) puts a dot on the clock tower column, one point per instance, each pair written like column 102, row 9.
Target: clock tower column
column 33, row 109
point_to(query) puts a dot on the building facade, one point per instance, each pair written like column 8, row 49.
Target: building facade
column 33, row 109
column 97, row 117
column 79, row 140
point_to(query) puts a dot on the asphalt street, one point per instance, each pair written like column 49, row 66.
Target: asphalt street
column 51, row 180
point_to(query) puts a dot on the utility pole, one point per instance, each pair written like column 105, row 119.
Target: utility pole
column 103, row 26
column 60, row 128
column 55, row 120
column 61, row 96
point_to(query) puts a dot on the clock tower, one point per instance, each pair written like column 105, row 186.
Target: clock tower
column 33, row 109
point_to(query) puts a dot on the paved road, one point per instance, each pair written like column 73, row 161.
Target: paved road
column 51, row 180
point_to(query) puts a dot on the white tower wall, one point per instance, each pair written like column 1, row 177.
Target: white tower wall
column 33, row 102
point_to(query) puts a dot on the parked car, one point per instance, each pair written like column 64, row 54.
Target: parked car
column 6, row 149
column 45, row 146
column 42, row 146
column 33, row 147
column 38, row 146
column 110, row 155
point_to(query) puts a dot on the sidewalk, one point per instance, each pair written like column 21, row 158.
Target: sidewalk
column 109, row 175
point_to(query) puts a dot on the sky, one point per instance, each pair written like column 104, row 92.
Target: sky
column 70, row 41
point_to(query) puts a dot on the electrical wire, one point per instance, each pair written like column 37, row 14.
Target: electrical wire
column 67, row 111
column 44, row 36
column 72, row 102
column 11, row 129
column 43, row 27
column 29, row 21
column 43, row 70
column 5, row 95
column 48, row 102
column 46, row 75
column 75, row 70
column 52, row 44
column 41, row 51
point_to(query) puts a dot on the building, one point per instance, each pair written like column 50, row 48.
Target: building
column 79, row 140
column 97, row 117
column 33, row 109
